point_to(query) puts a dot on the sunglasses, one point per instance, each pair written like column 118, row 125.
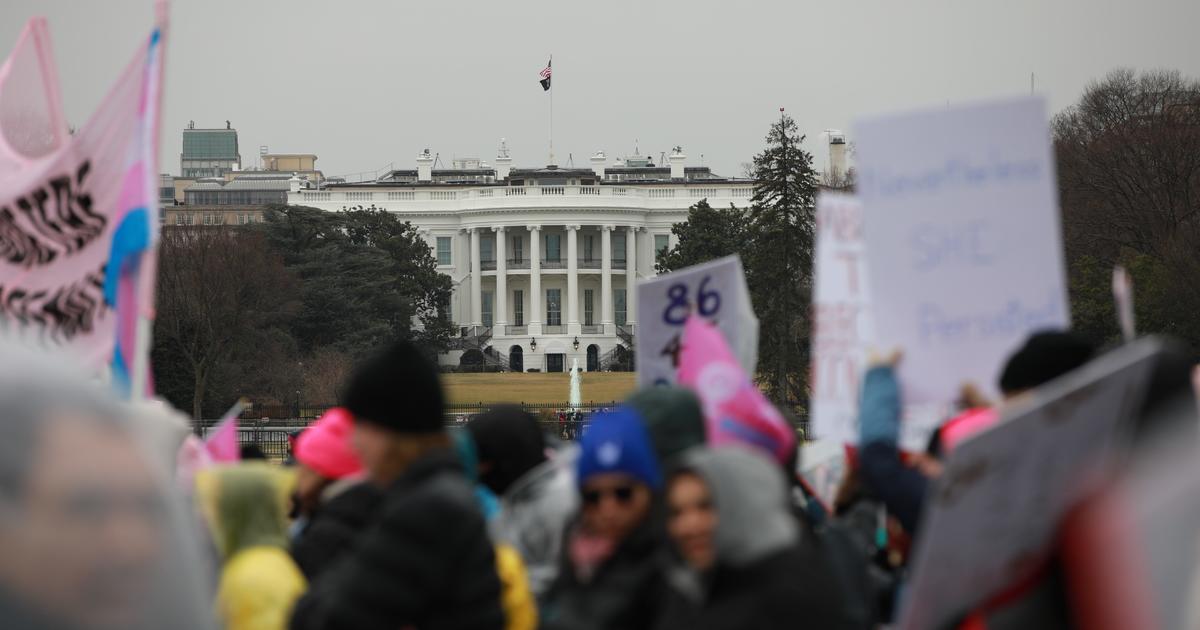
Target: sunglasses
column 622, row 494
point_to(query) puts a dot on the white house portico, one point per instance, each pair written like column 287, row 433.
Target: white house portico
column 543, row 261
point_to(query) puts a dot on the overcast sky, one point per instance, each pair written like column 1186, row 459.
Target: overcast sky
column 362, row 84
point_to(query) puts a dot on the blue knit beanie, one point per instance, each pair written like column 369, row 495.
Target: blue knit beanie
column 617, row 442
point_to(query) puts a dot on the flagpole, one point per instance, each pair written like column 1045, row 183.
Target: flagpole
column 551, row 112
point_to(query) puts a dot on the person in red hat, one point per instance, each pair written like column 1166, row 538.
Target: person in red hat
column 333, row 501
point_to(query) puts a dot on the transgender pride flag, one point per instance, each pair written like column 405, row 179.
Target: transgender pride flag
column 79, row 212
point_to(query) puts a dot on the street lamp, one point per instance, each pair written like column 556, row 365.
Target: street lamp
column 533, row 343
column 575, row 344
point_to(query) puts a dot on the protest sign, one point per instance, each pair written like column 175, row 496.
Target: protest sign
column 78, row 213
column 715, row 291
column 992, row 514
column 962, row 238
column 842, row 326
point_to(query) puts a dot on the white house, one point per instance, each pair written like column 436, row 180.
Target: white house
column 543, row 260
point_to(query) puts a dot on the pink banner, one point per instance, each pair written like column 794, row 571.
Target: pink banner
column 78, row 212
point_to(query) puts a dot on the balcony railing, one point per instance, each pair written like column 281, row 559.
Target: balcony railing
column 618, row 263
column 517, row 330
column 691, row 190
column 488, row 265
column 552, row 330
column 591, row 330
column 556, row 263
column 514, row 263
column 589, row 263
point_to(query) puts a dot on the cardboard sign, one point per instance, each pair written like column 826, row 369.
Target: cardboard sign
column 842, row 326
column 715, row 291
column 963, row 240
column 991, row 516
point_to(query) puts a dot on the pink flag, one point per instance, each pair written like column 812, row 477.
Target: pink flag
column 79, row 213
column 222, row 443
column 735, row 410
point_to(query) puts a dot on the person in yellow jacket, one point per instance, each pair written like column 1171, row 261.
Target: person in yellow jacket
column 246, row 507
column 516, row 598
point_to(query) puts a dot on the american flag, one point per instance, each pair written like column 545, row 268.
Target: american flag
column 545, row 74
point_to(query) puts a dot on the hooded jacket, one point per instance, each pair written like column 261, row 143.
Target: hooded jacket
column 763, row 577
column 534, row 514
column 247, row 506
column 424, row 562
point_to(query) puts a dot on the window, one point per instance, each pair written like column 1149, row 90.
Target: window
column 518, row 308
column 443, row 250
column 553, row 247
column 187, row 218
column 661, row 243
column 619, row 306
column 486, row 298
column 618, row 246
column 588, row 312
column 517, row 255
column 179, row 219
column 554, row 307
column 589, row 248
column 487, row 249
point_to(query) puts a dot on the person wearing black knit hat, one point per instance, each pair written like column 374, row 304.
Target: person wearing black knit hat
column 1045, row 356
column 426, row 561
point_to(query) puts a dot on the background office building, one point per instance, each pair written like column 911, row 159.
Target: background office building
column 209, row 152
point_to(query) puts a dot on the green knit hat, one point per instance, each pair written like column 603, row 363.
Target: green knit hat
column 673, row 419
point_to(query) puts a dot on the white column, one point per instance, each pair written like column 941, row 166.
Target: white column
column 476, row 280
column 573, row 280
column 631, row 276
column 500, row 302
column 535, row 280
column 606, row 306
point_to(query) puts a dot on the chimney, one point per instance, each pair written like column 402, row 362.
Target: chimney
column 425, row 166
column 837, row 155
column 598, row 161
column 503, row 161
column 676, row 159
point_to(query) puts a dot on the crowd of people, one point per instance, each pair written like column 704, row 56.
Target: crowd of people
column 387, row 518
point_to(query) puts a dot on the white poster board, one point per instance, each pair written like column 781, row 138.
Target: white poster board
column 991, row 516
column 842, row 326
column 715, row 290
column 962, row 238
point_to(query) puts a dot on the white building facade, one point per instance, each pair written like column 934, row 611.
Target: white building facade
column 543, row 261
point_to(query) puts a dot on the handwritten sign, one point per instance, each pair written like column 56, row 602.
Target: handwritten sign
column 842, row 327
column 717, row 292
column 1012, row 484
column 962, row 238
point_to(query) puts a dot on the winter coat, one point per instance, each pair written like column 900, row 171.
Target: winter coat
column 520, row 610
column 764, row 575
column 534, row 514
column 258, row 587
column 345, row 511
column 246, row 505
column 900, row 488
column 623, row 593
column 425, row 561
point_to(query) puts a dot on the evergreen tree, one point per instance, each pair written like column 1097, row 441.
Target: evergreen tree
column 709, row 233
column 779, row 260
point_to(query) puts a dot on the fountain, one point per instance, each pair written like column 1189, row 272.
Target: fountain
column 576, row 397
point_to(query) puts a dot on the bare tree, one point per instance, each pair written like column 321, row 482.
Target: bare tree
column 1129, row 176
column 217, row 287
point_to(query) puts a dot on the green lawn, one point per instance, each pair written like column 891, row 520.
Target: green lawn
column 516, row 387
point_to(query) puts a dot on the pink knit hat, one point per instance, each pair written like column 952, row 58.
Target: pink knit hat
column 325, row 446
